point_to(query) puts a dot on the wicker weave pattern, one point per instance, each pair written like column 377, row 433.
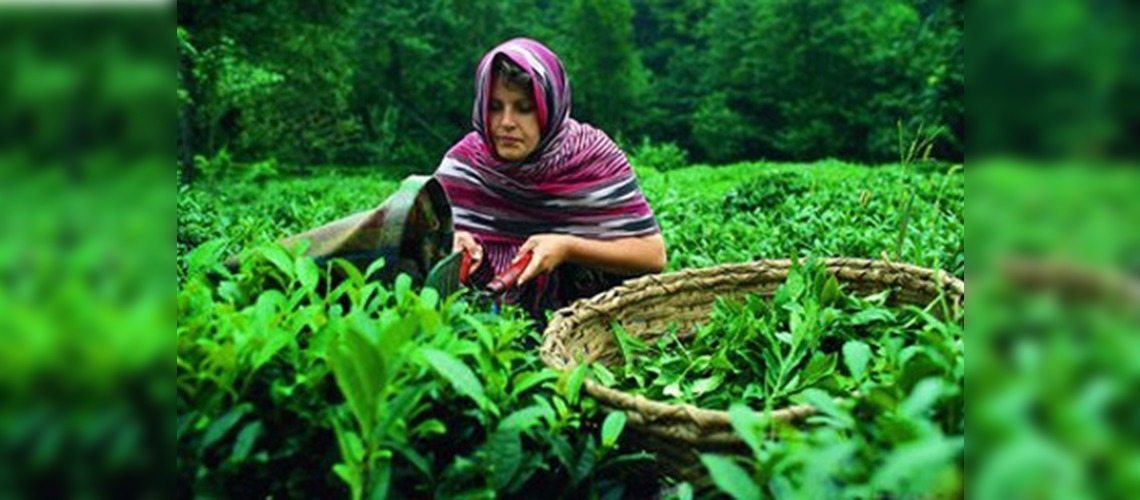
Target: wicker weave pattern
column 647, row 306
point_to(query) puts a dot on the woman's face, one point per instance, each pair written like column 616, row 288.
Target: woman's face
column 514, row 122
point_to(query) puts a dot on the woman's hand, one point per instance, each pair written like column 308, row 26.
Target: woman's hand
column 632, row 256
column 465, row 242
column 550, row 250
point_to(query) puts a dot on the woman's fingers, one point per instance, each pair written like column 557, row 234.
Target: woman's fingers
column 533, row 269
column 465, row 242
column 476, row 259
column 527, row 246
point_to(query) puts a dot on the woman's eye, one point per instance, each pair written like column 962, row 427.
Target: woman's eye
column 496, row 106
column 526, row 107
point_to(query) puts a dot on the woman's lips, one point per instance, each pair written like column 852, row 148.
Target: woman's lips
column 509, row 141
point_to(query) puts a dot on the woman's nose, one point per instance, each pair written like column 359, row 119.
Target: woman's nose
column 508, row 118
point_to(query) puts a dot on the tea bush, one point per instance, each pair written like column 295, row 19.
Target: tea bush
column 291, row 385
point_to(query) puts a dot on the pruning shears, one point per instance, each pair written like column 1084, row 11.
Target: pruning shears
column 454, row 272
column 499, row 285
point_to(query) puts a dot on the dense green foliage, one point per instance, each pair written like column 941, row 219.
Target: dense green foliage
column 284, row 381
column 763, row 351
column 748, row 211
column 890, row 384
column 289, row 384
column 737, row 213
column 384, row 82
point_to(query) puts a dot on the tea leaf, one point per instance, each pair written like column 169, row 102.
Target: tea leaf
column 922, row 398
column 525, row 381
column 205, row 256
column 458, row 374
column 575, row 381
column 307, row 273
column 403, row 288
column 867, row 316
column 374, row 268
column 749, row 425
column 612, row 427
column 522, row 419
column 856, row 354
column 504, row 450
column 823, row 402
column 707, row 384
column 730, row 477
column 245, row 441
column 684, row 491
column 222, row 425
column 279, row 257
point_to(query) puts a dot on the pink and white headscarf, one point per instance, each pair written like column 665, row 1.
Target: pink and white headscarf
column 576, row 181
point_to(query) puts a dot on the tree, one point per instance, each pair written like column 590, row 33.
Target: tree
column 606, row 75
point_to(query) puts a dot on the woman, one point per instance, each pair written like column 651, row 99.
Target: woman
column 532, row 179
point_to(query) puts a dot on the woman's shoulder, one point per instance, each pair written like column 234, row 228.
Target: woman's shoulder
column 469, row 151
column 582, row 136
column 586, row 129
column 465, row 147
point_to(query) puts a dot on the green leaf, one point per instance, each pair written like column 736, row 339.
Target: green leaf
column 830, row 293
column 575, row 381
column 429, row 427
column 919, row 468
column 823, row 402
column 351, row 271
column 353, row 446
column 222, row 425
column 204, row 256
column 585, row 465
column 730, row 478
column 627, row 344
column 481, row 332
column 867, row 316
column 359, row 373
column 351, row 476
column 279, row 257
column 403, row 288
column 856, row 354
column 522, row 419
column 504, row 450
column 795, row 284
column 749, row 425
column 380, row 477
column 603, row 375
column 707, row 384
column 526, row 380
column 373, row 268
column 430, row 298
column 922, row 398
column 245, row 441
column 307, row 273
column 685, row 491
column 562, row 450
column 819, row 366
column 458, row 374
column 414, row 457
column 612, row 427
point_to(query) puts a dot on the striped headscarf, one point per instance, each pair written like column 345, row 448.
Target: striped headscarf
column 576, row 181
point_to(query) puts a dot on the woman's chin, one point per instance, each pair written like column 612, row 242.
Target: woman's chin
column 509, row 155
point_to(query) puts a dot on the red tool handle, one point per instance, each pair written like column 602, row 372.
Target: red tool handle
column 465, row 267
column 507, row 280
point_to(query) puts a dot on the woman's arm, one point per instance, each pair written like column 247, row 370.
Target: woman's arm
column 625, row 256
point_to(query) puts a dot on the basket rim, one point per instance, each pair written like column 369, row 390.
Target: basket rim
column 689, row 423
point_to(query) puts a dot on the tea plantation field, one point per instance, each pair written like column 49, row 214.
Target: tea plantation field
column 288, row 387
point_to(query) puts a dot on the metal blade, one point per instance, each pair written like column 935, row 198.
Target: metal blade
column 444, row 275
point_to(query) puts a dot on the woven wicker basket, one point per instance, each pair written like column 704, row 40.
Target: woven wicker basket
column 647, row 306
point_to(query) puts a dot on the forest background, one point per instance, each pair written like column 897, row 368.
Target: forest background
column 383, row 82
